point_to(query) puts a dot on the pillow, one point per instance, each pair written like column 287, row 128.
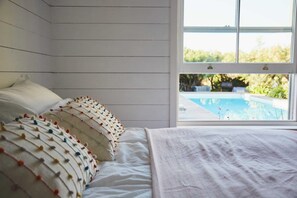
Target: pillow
column 91, row 122
column 39, row 159
column 31, row 96
column 9, row 111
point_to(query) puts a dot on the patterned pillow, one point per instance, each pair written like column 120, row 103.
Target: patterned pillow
column 39, row 159
column 91, row 122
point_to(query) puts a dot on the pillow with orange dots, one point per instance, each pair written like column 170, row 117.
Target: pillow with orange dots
column 39, row 159
column 91, row 122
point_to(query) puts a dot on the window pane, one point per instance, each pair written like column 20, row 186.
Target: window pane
column 265, row 13
column 209, row 13
column 233, row 97
column 265, row 47
column 209, row 47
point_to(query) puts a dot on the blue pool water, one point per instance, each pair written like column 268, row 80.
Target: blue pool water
column 241, row 109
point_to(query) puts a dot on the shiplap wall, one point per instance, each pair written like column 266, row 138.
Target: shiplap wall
column 116, row 51
column 25, row 41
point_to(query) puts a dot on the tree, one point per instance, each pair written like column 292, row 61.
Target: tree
column 273, row 85
column 189, row 80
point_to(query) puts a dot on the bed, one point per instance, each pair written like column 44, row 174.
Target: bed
column 231, row 162
column 135, row 162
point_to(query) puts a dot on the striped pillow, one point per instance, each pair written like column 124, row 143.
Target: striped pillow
column 40, row 159
column 91, row 122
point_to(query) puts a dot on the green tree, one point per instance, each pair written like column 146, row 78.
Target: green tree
column 276, row 54
column 189, row 80
column 273, row 85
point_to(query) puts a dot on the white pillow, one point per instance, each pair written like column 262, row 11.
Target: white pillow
column 30, row 96
column 10, row 111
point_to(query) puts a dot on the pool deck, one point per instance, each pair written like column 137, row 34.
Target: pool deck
column 189, row 111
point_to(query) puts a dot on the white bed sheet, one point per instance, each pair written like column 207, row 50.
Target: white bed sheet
column 128, row 176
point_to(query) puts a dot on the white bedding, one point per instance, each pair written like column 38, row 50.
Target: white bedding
column 129, row 176
column 231, row 163
column 223, row 163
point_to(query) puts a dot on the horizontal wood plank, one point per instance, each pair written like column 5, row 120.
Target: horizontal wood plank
column 111, row 64
column 118, row 96
column 15, row 60
column 109, row 15
column 145, row 124
column 140, row 112
column 130, row 3
column 48, row 2
column 20, row 39
column 112, row 81
column 12, row 14
column 111, row 48
column 111, row 31
column 37, row 7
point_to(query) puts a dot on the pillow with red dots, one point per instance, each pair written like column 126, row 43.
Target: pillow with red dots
column 40, row 159
column 91, row 122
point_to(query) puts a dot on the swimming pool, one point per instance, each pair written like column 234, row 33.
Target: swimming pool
column 241, row 106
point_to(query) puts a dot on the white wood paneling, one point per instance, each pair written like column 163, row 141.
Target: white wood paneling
column 112, row 81
column 145, row 123
column 5, row 31
column 110, row 48
column 110, row 15
column 140, row 112
column 113, row 50
column 48, row 2
column 111, row 31
column 8, row 78
column 20, row 39
column 112, row 64
column 19, row 17
column 116, row 51
column 15, row 60
column 24, row 42
column 130, row 3
column 38, row 7
column 119, row 96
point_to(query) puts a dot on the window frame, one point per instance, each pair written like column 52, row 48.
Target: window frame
column 216, row 68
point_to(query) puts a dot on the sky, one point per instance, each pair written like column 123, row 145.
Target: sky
column 257, row 13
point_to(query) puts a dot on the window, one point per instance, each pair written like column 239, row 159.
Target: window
column 238, row 40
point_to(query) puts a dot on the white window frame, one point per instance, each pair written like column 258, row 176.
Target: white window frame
column 177, row 30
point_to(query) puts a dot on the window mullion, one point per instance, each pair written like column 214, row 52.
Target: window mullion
column 237, row 25
column 293, row 37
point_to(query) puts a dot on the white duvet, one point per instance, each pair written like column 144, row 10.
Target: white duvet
column 223, row 163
